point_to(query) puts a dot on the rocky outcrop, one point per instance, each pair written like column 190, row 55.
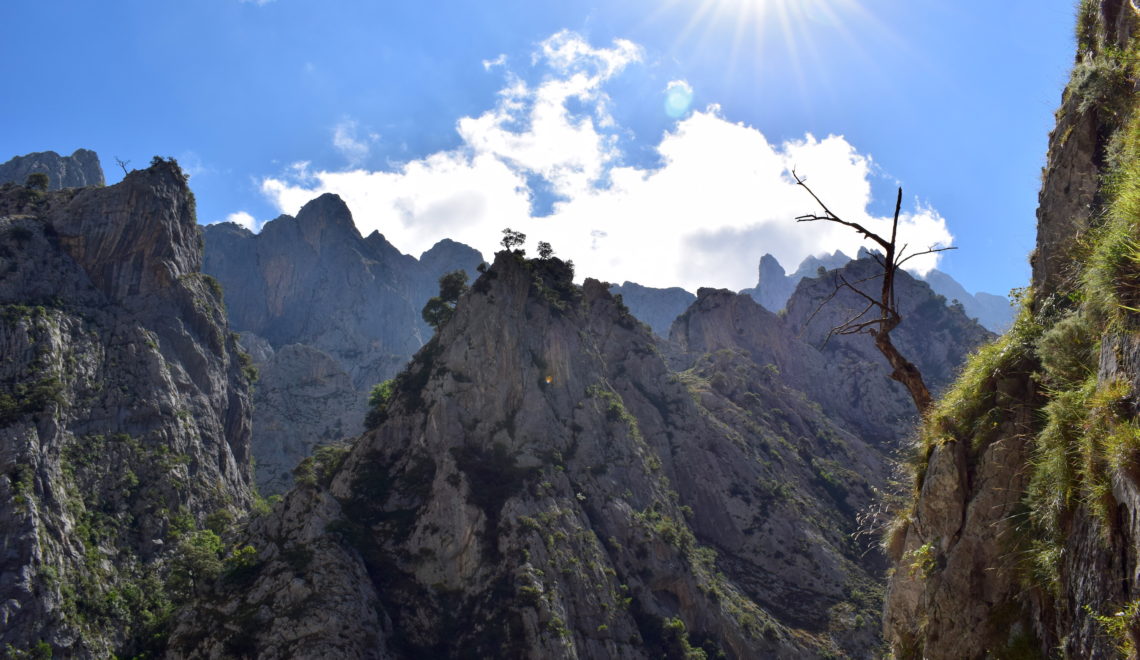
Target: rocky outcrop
column 541, row 484
column 78, row 170
column 124, row 410
column 325, row 301
column 774, row 286
column 315, row 280
column 657, row 308
column 1019, row 539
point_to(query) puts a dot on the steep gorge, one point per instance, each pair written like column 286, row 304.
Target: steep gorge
column 542, row 484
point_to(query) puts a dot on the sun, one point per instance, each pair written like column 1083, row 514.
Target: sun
column 791, row 33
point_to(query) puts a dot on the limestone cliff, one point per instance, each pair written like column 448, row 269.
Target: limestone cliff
column 541, row 484
column 774, row 286
column 657, row 308
column 124, row 410
column 1020, row 536
column 303, row 400
column 339, row 314
column 80, row 169
column 315, row 280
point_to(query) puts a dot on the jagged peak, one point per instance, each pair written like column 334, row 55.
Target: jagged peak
column 325, row 214
column 770, row 267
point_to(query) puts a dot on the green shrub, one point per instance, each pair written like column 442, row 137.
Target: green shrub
column 378, row 403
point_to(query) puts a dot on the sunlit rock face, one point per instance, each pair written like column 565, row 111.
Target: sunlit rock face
column 80, row 169
column 124, row 410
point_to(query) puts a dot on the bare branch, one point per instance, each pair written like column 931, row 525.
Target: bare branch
column 919, row 254
column 886, row 304
column 831, row 217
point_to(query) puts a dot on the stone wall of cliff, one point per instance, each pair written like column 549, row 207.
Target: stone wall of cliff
column 1020, row 536
column 124, row 410
column 78, row 170
column 541, row 484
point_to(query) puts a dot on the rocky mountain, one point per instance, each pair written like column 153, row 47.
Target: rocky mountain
column 80, row 169
column 935, row 337
column 336, row 313
column 1019, row 537
column 995, row 313
column 542, row 484
column 124, row 413
column 657, row 308
column 774, row 286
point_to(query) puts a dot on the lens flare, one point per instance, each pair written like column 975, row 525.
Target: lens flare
column 678, row 99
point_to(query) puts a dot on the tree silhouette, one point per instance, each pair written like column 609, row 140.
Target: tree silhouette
column 880, row 315
column 512, row 239
column 439, row 309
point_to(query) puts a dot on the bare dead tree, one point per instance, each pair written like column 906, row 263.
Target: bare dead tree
column 880, row 315
column 123, row 164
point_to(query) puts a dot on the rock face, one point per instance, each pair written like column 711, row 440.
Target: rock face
column 937, row 336
column 349, row 308
column 994, row 313
column 78, row 170
column 303, row 400
column 774, row 286
column 543, row 485
column 657, row 308
column 1020, row 539
column 124, row 410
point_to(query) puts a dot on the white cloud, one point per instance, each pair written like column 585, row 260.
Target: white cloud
column 354, row 149
column 498, row 61
column 242, row 218
column 721, row 197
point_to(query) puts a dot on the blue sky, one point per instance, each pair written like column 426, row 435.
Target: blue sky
column 459, row 118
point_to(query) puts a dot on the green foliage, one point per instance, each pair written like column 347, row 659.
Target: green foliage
column 1100, row 83
column 1121, row 626
column 196, row 562
column 37, row 181
column 248, row 368
column 678, row 640
column 972, row 409
column 1068, row 351
column 322, row 465
column 378, row 402
column 1111, row 277
column 452, row 285
column 241, row 567
column 1086, row 24
column 921, row 561
column 213, row 285
column 438, row 310
column 544, row 250
column 28, row 398
column 512, row 240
